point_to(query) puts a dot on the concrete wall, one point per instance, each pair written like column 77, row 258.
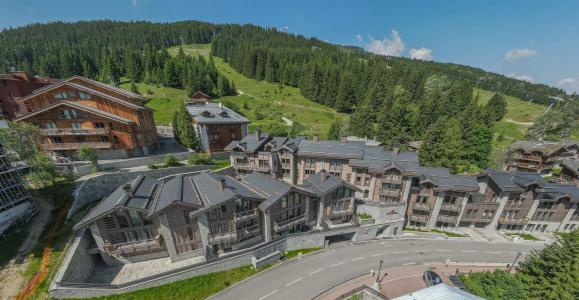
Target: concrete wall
column 82, row 170
column 80, row 263
column 100, row 186
column 381, row 212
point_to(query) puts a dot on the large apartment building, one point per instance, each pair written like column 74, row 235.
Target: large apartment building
column 425, row 197
column 541, row 157
column 208, row 215
column 82, row 112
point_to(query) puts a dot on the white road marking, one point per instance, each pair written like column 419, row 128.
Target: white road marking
column 399, row 252
column 408, row 264
column 494, row 252
column 359, row 258
column 443, row 250
column 294, row 281
column 269, row 294
column 379, row 254
column 468, row 251
column 340, row 263
column 316, row 271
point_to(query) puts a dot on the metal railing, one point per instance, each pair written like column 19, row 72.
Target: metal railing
column 74, row 146
column 74, row 131
column 419, row 218
column 513, row 221
column 421, row 206
column 221, row 237
column 448, row 219
column 336, row 213
column 450, row 207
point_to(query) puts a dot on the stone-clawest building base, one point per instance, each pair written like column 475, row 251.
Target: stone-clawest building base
column 75, row 278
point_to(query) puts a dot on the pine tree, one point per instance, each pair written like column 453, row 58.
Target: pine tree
column 362, row 117
column 334, row 131
column 497, row 106
column 395, row 124
column 170, row 75
column 186, row 131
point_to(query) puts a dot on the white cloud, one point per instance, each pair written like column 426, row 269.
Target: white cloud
column 516, row 54
column 422, row 53
column 566, row 82
column 135, row 3
column 521, row 77
column 359, row 37
column 392, row 46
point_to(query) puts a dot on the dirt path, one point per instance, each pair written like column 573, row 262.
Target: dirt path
column 11, row 279
column 528, row 124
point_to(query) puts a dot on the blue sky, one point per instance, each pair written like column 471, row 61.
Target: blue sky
column 528, row 39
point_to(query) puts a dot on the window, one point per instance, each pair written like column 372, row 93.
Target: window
column 104, row 139
column 116, row 139
column 284, row 202
column 366, row 194
column 135, row 218
column 450, row 198
column 111, row 125
column 391, row 186
column 389, row 199
column 310, row 171
column 83, row 95
column 81, row 139
column 286, row 173
column 334, row 164
column 99, row 125
column 57, row 140
column 122, row 220
column 348, row 177
column 263, row 163
column 422, row 199
column 50, row 125
column 187, row 218
column 75, row 125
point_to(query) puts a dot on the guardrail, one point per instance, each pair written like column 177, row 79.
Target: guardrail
column 74, row 146
column 74, row 131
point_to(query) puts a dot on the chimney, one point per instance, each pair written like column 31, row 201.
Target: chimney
column 344, row 139
column 220, row 105
column 127, row 189
column 315, row 138
column 257, row 134
column 323, row 175
column 222, row 184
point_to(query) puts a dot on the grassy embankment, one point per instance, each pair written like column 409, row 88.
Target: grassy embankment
column 263, row 103
column 513, row 126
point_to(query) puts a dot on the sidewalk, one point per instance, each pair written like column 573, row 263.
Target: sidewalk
column 405, row 279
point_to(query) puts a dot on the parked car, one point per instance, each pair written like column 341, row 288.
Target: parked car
column 431, row 278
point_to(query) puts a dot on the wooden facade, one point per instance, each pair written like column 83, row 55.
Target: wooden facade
column 80, row 111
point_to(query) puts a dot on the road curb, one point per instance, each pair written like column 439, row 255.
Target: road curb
column 262, row 272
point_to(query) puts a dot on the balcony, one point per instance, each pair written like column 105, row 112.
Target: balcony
column 392, row 178
column 421, row 206
column 135, row 248
column 280, row 226
column 390, row 192
column 74, row 131
column 513, row 221
column 450, row 207
column 75, row 146
column 524, row 165
column 245, row 215
column 476, row 219
column 419, row 218
column 447, row 219
column 527, row 157
column 219, row 238
column 338, row 213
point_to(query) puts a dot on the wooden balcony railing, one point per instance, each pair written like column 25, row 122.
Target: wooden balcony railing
column 279, row 226
column 419, row 218
column 246, row 215
column 447, row 219
column 74, row 131
column 218, row 238
column 390, row 192
column 527, row 157
column 513, row 221
column 450, row 207
column 421, row 206
column 135, row 248
column 74, row 146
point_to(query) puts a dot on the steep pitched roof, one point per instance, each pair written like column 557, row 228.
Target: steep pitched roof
column 136, row 194
column 176, row 191
column 572, row 165
column 323, row 182
column 215, row 113
column 86, row 89
column 108, row 87
column 547, row 148
column 80, row 106
column 250, row 143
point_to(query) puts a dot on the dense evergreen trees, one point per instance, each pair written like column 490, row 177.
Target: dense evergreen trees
column 183, row 128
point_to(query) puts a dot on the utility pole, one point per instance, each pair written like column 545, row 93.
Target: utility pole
column 378, row 279
column 511, row 266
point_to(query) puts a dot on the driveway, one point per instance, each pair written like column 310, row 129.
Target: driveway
column 315, row 273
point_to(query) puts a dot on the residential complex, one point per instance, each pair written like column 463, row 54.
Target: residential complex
column 209, row 215
column 425, row 197
column 539, row 156
column 80, row 112
column 215, row 124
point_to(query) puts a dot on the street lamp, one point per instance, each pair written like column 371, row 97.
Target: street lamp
column 511, row 266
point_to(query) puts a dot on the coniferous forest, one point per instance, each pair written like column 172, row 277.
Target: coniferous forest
column 392, row 99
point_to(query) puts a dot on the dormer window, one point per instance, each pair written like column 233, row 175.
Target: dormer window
column 83, row 95
column 224, row 114
column 64, row 95
column 206, row 114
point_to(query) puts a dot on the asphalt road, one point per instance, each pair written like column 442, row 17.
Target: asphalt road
column 312, row 274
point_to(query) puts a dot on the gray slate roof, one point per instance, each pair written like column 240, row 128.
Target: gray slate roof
column 444, row 181
column 250, row 143
column 439, row 292
column 513, row 182
column 176, row 191
column 323, row 182
column 547, row 148
column 136, row 194
column 214, row 113
column 572, row 165
column 270, row 189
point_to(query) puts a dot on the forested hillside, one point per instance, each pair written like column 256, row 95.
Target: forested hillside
column 395, row 100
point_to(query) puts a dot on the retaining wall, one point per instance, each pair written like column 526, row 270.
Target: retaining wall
column 97, row 187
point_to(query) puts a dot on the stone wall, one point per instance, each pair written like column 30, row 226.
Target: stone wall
column 98, row 187
column 82, row 170
column 78, row 259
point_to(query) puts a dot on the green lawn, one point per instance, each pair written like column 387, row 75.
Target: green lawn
column 517, row 110
column 526, row 236
column 199, row 287
column 164, row 100
column 264, row 103
column 447, row 233
column 294, row 253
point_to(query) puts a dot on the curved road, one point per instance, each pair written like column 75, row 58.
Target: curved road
column 312, row 274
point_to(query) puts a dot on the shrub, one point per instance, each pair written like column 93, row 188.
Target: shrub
column 364, row 215
column 152, row 166
column 170, row 161
column 200, row 159
column 90, row 154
